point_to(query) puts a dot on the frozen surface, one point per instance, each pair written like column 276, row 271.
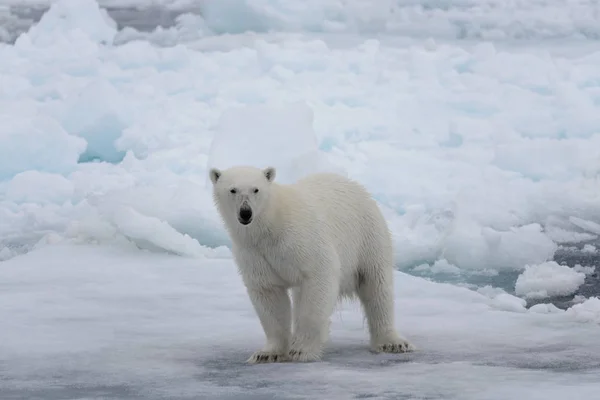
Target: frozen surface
column 546, row 20
column 116, row 323
column 262, row 136
column 488, row 19
column 35, row 143
column 483, row 155
column 63, row 22
column 587, row 311
column 548, row 279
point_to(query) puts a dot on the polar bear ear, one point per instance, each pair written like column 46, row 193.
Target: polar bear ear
column 269, row 173
column 215, row 174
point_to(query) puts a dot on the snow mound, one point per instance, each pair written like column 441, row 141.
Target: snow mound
column 441, row 266
column 72, row 20
column 588, row 270
column 152, row 233
column 545, row 308
column 588, row 311
column 39, row 187
column 474, row 247
column 36, row 143
column 589, row 248
column 547, row 280
column 500, row 300
column 260, row 135
column 99, row 114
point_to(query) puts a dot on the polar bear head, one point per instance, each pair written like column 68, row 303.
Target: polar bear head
column 241, row 193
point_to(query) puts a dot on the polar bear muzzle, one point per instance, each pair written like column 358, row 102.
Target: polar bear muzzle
column 245, row 214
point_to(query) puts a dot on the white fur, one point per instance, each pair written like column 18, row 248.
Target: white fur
column 324, row 238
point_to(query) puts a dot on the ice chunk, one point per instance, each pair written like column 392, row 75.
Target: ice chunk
column 39, row 187
column 448, row 19
column 93, row 228
column 99, row 114
column 547, row 280
column 585, row 270
column 159, row 234
column 545, row 308
column 146, row 231
column 508, row 302
column 179, row 205
column 586, row 225
column 439, row 267
column 260, row 135
column 588, row 311
column 66, row 18
column 578, row 299
column 475, row 247
column 589, row 248
column 443, row 266
column 36, row 143
column 501, row 300
column 560, row 235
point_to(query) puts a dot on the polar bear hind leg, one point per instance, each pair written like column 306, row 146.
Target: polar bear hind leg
column 376, row 293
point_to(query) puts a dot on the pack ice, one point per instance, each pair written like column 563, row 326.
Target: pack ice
column 473, row 124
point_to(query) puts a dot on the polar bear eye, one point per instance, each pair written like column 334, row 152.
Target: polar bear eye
column 233, row 191
column 255, row 190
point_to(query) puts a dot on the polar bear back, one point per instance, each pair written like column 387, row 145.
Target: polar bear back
column 350, row 218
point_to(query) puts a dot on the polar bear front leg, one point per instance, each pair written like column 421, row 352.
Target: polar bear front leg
column 314, row 301
column 274, row 312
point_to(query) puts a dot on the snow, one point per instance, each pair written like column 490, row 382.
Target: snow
column 243, row 134
column 439, row 267
column 544, row 308
column 586, row 270
column 117, row 322
column 547, row 280
column 39, row 187
column 473, row 124
column 587, row 311
column 99, row 115
column 63, row 21
column 30, row 142
column 488, row 19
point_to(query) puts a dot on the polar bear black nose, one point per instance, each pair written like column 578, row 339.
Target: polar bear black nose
column 245, row 215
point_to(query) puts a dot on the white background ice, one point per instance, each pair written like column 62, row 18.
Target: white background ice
column 473, row 123
column 261, row 136
column 548, row 279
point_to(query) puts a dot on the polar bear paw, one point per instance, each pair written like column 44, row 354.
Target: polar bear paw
column 264, row 357
column 397, row 345
column 304, row 355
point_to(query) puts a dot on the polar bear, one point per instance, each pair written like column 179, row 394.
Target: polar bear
column 324, row 238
